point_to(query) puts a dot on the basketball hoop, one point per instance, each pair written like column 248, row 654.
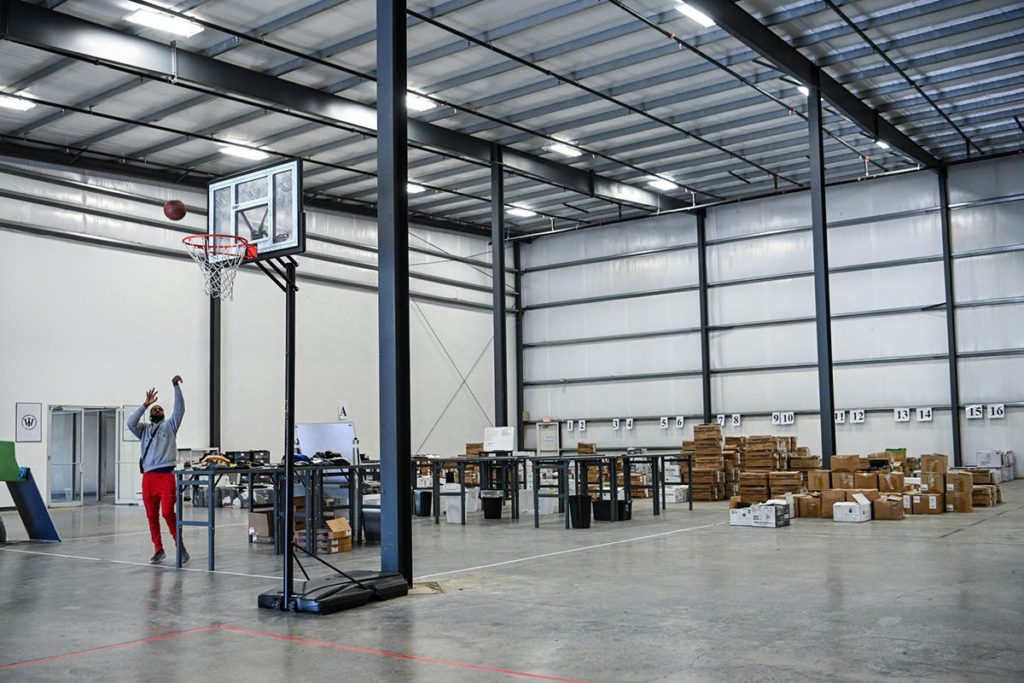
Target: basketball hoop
column 219, row 257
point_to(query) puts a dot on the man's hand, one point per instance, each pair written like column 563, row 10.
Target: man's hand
column 150, row 397
column 176, row 380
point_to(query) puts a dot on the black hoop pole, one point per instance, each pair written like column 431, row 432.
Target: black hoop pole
column 289, row 432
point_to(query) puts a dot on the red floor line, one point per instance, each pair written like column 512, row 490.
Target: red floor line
column 107, row 648
column 399, row 655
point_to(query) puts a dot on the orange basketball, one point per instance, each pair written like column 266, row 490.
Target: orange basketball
column 174, row 209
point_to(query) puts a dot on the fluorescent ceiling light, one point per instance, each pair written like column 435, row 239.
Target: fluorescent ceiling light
column 804, row 90
column 565, row 150
column 162, row 21
column 413, row 188
column 15, row 103
column 882, row 144
column 662, row 184
column 522, row 213
column 695, row 14
column 244, row 152
column 418, row 102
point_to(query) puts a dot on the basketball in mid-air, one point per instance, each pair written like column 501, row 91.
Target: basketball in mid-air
column 174, row 209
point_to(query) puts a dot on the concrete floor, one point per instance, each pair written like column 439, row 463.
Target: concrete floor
column 682, row 597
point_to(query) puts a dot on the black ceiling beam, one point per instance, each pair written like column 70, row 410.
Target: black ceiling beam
column 758, row 37
column 60, row 33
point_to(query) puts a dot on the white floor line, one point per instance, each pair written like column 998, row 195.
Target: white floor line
column 566, row 552
column 195, row 569
column 36, row 552
column 138, row 533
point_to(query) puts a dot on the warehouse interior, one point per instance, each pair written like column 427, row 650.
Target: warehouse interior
column 639, row 340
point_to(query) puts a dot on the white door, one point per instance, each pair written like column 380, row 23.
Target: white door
column 64, row 456
column 128, row 480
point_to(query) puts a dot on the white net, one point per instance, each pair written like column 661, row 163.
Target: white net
column 218, row 257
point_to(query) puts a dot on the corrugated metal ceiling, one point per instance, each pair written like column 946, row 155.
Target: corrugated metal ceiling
column 967, row 56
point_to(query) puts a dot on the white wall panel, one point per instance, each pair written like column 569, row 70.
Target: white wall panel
column 747, row 347
column 882, row 196
column 889, row 336
column 758, row 392
column 985, row 227
column 866, row 290
column 650, row 397
column 924, row 383
column 988, row 328
column 759, row 215
column 879, row 431
column 991, row 380
column 989, row 435
column 989, row 277
column 899, row 238
column 789, row 298
column 636, row 274
column 606, row 359
column 986, row 179
column 638, row 235
column 755, row 258
column 642, row 314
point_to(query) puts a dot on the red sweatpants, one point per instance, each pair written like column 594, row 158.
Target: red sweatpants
column 158, row 497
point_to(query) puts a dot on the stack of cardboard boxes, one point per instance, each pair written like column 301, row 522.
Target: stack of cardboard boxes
column 733, row 455
column 781, row 483
column 708, row 463
column 753, row 488
column 336, row 538
column 761, row 454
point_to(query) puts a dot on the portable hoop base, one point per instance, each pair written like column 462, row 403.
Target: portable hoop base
column 218, row 258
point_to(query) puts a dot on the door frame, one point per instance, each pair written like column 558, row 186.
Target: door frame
column 78, row 442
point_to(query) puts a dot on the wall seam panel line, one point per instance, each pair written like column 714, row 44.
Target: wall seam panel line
column 610, row 257
column 612, row 338
column 611, row 297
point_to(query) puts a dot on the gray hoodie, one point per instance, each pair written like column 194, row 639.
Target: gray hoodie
column 159, row 446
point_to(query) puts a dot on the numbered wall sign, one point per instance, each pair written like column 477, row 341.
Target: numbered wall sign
column 996, row 411
column 721, row 420
column 788, row 418
column 857, row 416
column 975, row 412
column 570, row 425
column 629, row 423
column 736, row 419
column 901, row 414
column 663, row 422
column 679, row 422
column 840, row 417
column 924, row 414
column 582, row 425
column 615, row 424
column 776, row 418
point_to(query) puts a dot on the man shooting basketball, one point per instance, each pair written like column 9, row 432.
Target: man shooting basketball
column 159, row 454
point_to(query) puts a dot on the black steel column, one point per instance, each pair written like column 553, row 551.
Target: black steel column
column 705, row 342
column 498, row 288
column 822, row 304
column 947, row 271
column 215, row 343
column 289, row 430
column 393, row 289
column 517, row 265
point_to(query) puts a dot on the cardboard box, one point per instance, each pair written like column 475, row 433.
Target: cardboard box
column 808, row 506
column 870, row 494
column 261, row 525
column 936, row 464
column 819, row 480
column 741, row 517
column 770, row 515
column 474, row 449
column 928, row 503
column 843, row 480
column 865, row 480
column 959, row 502
column 891, row 482
column 888, row 507
column 933, row 482
column 908, row 503
column 845, row 463
column 829, row 497
column 959, row 482
column 859, row 510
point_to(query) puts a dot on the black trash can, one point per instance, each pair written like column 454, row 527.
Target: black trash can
column 603, row 510
column 492, row 502
column 579, row 512
column 625, row 510
column 421, row 503
column 371, row 524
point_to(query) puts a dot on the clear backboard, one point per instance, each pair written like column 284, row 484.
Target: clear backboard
column 263, row 206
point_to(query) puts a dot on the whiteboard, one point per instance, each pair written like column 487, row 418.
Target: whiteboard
column 499, row 439
column 318, row 437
